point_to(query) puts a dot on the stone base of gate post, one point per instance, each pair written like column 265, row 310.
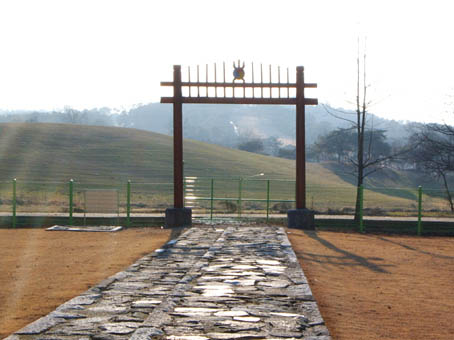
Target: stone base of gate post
column 301, row 219
column 178, row 217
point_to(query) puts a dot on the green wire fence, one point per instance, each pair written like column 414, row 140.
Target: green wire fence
column 214, row 197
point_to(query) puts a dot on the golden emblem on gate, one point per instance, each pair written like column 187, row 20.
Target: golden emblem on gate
column 238, row 72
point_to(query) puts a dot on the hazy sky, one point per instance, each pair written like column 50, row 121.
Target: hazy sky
column 112, row 53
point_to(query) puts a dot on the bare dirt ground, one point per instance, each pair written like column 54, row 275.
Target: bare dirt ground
column 367, row 286
column 380, row 287
column 39, row 270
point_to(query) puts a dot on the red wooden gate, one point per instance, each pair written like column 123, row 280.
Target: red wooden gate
column 262, row 94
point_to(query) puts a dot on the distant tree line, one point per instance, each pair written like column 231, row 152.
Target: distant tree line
column 433, row 153
column 68, row 115
column 224, row 125
column 341, row 145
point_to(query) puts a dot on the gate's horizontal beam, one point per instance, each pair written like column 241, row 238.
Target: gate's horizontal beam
column 249, row 101
column 255, row 85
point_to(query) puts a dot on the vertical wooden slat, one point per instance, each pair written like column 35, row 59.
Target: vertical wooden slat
column 244, row 87
column 215, row 80
column 271, row 90
column 261, row 78
column 279, row 80
column 189, row 79
column 206, row 79
column 198, row 80
column 253, row 89
column 223, row 69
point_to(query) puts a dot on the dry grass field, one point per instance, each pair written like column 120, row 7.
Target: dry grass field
column 39, row 270
column 380, row 287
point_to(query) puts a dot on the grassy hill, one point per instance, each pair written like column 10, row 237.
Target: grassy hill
column 95, row 155
column 57, row 152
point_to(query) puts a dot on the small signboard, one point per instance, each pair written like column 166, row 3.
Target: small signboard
column 101, row 201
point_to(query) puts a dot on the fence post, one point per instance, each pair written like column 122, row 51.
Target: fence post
column 71, row 184
column 240, row 185
column 14, row 204
column 128, row 203
column 419, row 210
column 267, row 200
column 361, row 204
column 212, row 199
column 184, row 184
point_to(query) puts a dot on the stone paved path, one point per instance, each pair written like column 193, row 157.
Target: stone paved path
column 230, row 282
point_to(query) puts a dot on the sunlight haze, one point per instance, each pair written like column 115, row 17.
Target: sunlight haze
column 105, row 53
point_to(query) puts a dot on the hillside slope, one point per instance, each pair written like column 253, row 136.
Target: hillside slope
column 58, row 152
column 38, row 152
column 46, row 151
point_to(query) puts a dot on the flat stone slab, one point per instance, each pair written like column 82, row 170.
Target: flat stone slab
column 228, row 282
column 98, row 228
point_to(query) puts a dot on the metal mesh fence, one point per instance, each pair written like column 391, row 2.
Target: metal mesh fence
column 35, row 197
column 435, row 201
column 152, row 197
column 380, row 201
column 6, row 192
column 210, row 197
column 331, row 200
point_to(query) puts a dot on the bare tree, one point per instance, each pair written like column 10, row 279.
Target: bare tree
column 73, row 116
column 366, row 161
column 433, row 153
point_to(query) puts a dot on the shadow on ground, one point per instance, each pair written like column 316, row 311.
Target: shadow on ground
column 445, row 257
column 346, row 259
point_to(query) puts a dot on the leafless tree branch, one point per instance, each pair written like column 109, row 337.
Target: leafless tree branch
column 337, row 116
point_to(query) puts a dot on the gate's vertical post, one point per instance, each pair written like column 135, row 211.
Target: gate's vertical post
column 267, row 200
column 419, row 210
column 240, row 189
column 128, row 204
column 212, row 199
column 178, row 216
column 177, row 139
column 14, row 204
column 300, row 141
column 184, row 186
column 300, row 217
column 71, row 188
